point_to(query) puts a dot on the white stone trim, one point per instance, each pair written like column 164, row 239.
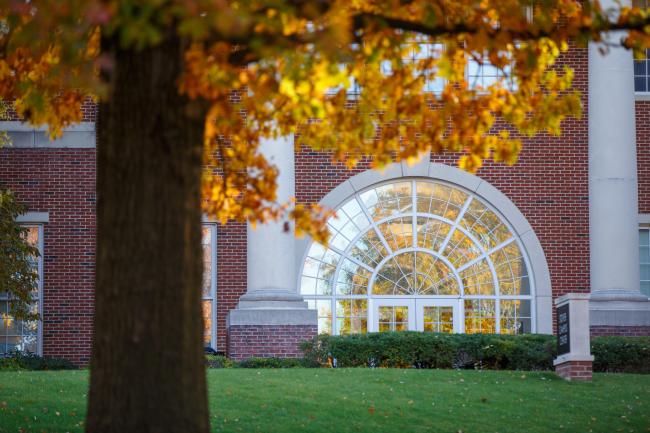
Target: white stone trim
column 34, row 218
column 18, row 126
column 538, row 271
column 568, row 357
column 644, row 219
column 23, row 135
column 642, row 96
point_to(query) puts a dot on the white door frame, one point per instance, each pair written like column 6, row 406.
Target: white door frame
column 375, row 303
column 415, row 311
column 437, row 302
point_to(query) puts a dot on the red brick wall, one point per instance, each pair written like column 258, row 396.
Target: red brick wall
column 266, row 341
column 575, row 370
column 643, row 154
column 621, row 331
column 61, row 182
column 231, row 274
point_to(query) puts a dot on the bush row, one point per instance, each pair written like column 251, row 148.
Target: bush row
column 621, row 354
column 417, row 350
column 427, row 350
column 30, row 361
column 220, row 361
column 479, row 351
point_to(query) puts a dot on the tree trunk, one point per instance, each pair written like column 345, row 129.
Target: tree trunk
column 147, row 368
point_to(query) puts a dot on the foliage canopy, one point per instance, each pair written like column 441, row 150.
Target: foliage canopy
column 286, row 66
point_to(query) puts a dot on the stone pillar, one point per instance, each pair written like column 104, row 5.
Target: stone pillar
column 574, row 361
column 271, row 318
column 613, row 209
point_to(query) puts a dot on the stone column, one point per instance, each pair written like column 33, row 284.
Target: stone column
column 271, row 318
column 613, row 210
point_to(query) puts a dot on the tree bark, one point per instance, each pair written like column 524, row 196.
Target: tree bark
column 147, row 368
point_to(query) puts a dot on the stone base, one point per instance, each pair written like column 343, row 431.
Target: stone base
column 620, row 331
column 575, row 370
column 268, row 341
column 613, row 310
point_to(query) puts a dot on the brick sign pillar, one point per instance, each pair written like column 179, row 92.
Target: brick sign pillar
column 574, row 360
column 271, row 318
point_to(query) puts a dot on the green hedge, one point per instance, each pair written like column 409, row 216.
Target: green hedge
column 218, row 361
column 621, row 354
column 427, row 350
column 30, row 361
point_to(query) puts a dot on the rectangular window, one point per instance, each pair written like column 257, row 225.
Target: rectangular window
column 480, row 316
column 515, row 316
column 644, row 256
column 18, row 335
column 209, row 244
column 324, row 308
column 352, row 316
column 642, row 74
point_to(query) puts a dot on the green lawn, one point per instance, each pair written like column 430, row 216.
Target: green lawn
column 362, row 400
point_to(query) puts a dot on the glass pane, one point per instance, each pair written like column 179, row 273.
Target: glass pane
column 644, row 254
column 461, row 250
column 352, row 316
column 393, row 318
column 385, row 314
column 207, row 261
column 352, row 279
column 645, row 272
column 438, row 319
column 645, row 288
column 640, row 84
column 515, row 316
column 398, row 233
column 433, row 276
column 369, row 249
column 207, row 323
column 511, row 270
column 477, row 279
column 431, row 233
column 480, row 316
column 324, row 308
column 388, row 200
column 485, row 225
column 644, row 237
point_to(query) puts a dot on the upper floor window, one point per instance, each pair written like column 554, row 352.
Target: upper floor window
column 642, row 74
column 19, row 335
column 479, row 75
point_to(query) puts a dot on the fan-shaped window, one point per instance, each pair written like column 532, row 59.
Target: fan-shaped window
column 418, row 254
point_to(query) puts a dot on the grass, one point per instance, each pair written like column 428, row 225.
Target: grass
column 362, row 400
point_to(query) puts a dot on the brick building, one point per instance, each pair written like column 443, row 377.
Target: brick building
column 424, row 247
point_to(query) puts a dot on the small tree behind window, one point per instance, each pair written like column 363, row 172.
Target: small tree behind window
column 18, row 277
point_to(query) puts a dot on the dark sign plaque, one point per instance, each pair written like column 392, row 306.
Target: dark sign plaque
column 563, row 332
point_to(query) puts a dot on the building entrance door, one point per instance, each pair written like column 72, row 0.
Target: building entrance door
column 427, row 315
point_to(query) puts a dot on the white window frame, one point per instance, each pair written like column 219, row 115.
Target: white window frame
column 213, row 282
column 644, row 224
column 37, row 220
column 372, row 299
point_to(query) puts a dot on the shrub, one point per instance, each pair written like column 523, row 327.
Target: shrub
column 427, row 350
column 621, row 354
column 30, row 361
column 218, row 361
column 270, row 363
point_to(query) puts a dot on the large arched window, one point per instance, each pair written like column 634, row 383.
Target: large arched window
column 419, row 254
